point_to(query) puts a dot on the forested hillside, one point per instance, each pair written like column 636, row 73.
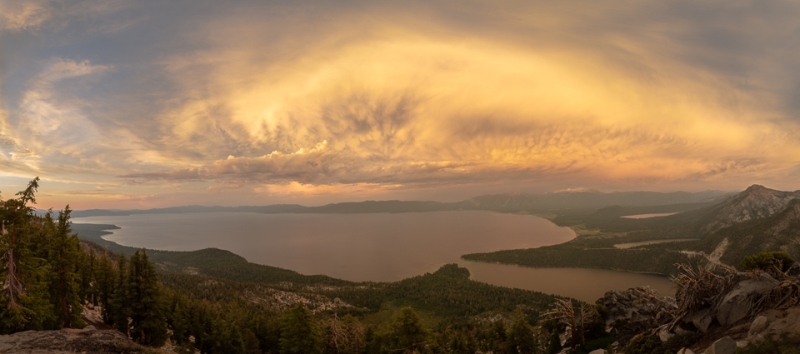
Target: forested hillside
column 755, row 220
column 49, row 275
column 216, row 302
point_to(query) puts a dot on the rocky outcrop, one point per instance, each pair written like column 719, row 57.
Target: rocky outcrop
column 725, row 345
column 729, row 309
column 723, row 300
column 635, row 310
column 738, row 303
column 69, row 341
column 774, row 323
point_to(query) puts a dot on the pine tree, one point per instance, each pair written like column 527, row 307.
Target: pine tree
column 64, row 286
column 87, row 272
column 299, row 332
column 105, row 277
column 148, row 322
column 118, row 307
column 521, row 339
column 406, row 333
column 24, row 272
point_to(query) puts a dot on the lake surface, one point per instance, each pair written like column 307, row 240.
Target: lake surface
column 376, row 247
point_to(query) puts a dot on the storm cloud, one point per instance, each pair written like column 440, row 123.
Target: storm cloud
column 181, row 102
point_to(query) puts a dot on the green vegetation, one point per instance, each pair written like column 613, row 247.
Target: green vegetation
column 299, row 333
column 778, row 232
column 768, row 261
column 49, row 276
column 448, row 294
column 42, row 267
column 599, row 230
column 447, row 314
column 214, row 301
column 657, row 260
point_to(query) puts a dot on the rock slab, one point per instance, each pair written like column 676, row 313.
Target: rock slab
column 68, row 341
column 736, row 304
column 724, row 345
column 759, row 325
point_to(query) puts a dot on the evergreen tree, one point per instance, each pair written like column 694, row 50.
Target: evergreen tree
column 497, row 337
column 521, row 338
column 148, row 322
column 178, row 319
column 87, row 269
column 405, row 333
column 64, row 251
column 299, row 332
column 24, row 275
column 118, row 307
column 251, row 343
column 105, row 285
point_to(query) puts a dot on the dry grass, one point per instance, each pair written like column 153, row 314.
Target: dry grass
column 784, row 295
column 700, row 288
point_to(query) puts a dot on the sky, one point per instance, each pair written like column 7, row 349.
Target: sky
column 141, row 104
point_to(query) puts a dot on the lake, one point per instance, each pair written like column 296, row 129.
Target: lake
column 376, row 247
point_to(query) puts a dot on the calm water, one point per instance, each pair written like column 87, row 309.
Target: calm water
column 376, row 247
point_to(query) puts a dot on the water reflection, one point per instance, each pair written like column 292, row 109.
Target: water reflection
column 580, row 283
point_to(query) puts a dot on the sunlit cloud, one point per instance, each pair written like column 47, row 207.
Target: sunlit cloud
column 398, row 99
column 20, row 15
column 310, row 191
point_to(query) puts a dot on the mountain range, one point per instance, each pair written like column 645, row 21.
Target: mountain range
column 508, row 202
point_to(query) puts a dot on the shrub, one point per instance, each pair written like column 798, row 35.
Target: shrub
column 768, row 261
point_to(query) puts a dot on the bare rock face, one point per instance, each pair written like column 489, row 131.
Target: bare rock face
column 701, row 319
column 781, row 322
column 759, row 324
column 756, row 202
column 68, row 341
column 736, row 305
column 725, row 345
column 634, row 311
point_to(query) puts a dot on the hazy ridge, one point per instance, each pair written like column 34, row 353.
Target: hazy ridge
column 509, row 202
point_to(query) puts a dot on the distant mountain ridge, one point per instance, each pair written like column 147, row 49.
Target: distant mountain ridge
column 585, row 199
column 755, row 220
column 756, row 202
column 509, row 202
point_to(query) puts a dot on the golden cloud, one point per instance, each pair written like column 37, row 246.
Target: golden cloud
column 398, row 100
column 414, row 95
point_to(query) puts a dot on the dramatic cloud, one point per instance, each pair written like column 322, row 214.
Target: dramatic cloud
column 21, row 15
column 261, row 102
